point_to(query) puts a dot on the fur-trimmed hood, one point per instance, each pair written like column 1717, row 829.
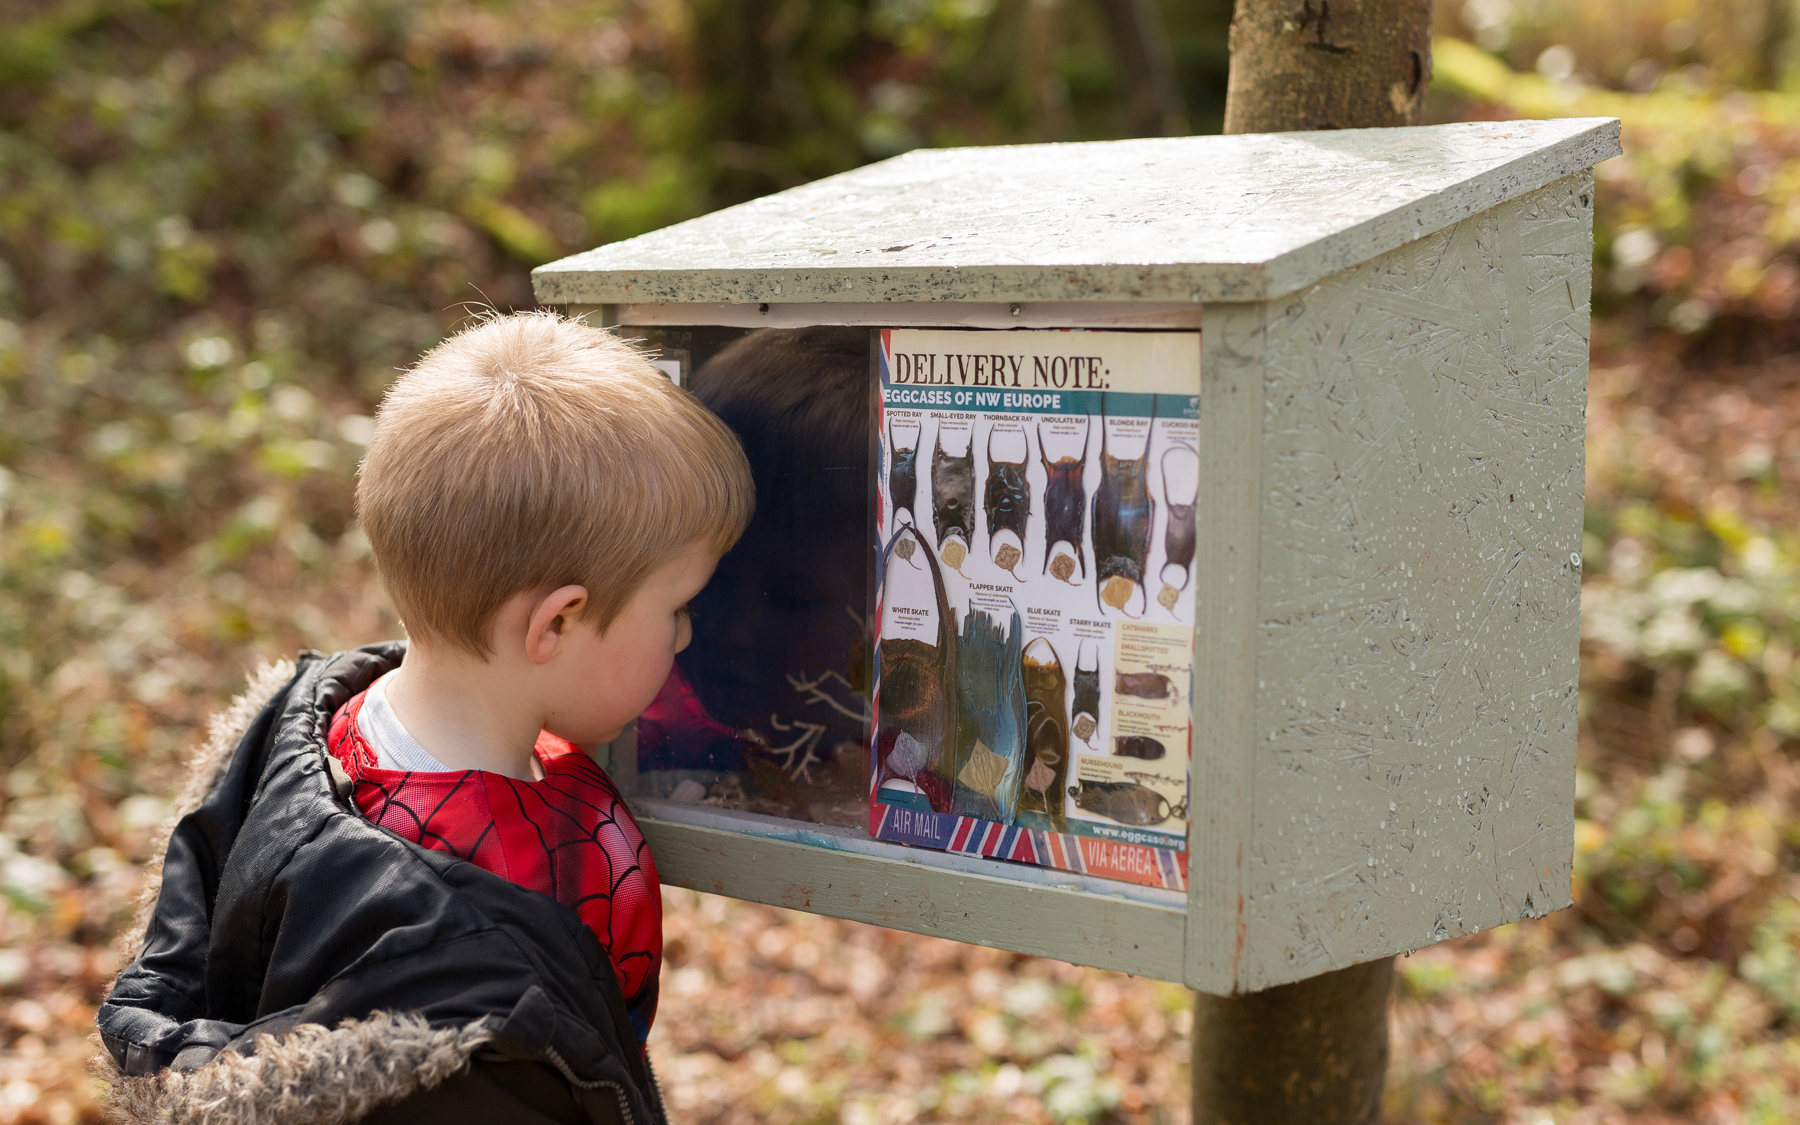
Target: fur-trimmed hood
column 292, row 963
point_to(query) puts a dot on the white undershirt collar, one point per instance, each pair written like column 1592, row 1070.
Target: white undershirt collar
column 394, row 748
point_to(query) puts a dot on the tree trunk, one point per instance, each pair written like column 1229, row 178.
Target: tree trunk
column 1310, row 1053
column 1314, row 1052
column 1328, row 64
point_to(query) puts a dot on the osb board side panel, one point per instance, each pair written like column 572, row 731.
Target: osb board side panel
column 1076, row 926
column 1231, row 409
column 1420, row 594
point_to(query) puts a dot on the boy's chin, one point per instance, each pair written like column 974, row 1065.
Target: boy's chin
column 589, row 736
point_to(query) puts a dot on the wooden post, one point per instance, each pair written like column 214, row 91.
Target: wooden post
column 1315, row 1050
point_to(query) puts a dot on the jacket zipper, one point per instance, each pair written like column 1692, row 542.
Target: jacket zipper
column 618, row 1090
column 655, row 1086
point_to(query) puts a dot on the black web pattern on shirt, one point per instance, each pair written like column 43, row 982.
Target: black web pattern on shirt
column 569, row 843
column 390, row 801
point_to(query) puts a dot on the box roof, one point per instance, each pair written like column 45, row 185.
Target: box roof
column 1238, row 218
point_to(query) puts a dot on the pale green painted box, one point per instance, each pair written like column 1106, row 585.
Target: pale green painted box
column 1394, row 350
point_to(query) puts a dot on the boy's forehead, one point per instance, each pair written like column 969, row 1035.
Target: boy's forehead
column 691, row 564
column 697, row 560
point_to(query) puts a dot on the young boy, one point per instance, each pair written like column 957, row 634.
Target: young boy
column 399, row 891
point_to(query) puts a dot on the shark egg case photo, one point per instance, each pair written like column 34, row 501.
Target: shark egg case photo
column 1033, row 619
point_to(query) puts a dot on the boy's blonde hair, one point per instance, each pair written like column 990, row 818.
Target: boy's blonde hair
column 531, row 452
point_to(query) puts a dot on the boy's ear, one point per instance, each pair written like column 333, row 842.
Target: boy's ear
column 550, row 619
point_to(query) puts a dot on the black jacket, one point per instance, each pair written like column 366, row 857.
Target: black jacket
column 300, row 964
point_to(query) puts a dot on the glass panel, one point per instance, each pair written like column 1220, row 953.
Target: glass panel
column 768, row 708
column 1014, row 510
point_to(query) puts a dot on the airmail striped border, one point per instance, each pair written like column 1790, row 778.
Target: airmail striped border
column 1110, row 859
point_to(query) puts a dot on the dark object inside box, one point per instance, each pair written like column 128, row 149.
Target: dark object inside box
column 770, row 709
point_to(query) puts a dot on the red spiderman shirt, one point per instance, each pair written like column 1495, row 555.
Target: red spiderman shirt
column 568, row 836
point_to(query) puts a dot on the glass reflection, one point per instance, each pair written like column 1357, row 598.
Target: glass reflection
column 768, row 710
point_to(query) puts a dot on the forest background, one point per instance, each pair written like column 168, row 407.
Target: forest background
column 224, row 226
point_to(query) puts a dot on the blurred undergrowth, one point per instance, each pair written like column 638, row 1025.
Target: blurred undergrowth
column 223, row 226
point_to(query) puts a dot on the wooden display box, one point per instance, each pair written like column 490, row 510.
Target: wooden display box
column 1394, row 354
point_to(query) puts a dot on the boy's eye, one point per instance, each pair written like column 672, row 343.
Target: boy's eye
column 686, row 611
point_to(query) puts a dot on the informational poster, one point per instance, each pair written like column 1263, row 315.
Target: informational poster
column 1034, row 625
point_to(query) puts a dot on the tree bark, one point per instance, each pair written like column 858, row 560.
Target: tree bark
column 1328, row 64
column 1310, row 1053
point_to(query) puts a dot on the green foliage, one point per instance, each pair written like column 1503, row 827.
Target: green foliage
column 224, row 226
column 1700, row 214
column 623, row 208
column 1633, row 44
